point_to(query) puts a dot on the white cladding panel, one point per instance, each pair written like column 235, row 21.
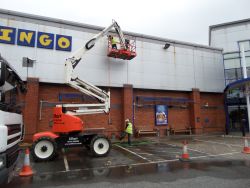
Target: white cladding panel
column 227, row 36
column 180, row 67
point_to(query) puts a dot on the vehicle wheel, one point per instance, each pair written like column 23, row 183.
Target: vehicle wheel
column 101, row 172
column 44, row 149
column 100, row 146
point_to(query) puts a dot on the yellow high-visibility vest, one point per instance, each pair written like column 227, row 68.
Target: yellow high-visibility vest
column 129, row 128
column 113, row 41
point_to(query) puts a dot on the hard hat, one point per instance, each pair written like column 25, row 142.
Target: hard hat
column 126, row 120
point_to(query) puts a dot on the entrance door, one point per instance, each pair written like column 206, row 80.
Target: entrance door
column 236, row 114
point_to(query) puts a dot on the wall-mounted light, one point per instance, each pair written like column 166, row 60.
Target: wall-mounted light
column 27, row 62
column 166, row 46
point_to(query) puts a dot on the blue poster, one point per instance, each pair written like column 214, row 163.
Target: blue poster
column 161, row 114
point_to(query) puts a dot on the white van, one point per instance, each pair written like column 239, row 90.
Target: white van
column 11, row 119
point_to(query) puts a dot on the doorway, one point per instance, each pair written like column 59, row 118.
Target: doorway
column 236, row 115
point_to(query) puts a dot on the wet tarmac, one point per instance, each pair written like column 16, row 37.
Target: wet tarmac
column 162, row 151
column 151, row 173
column 215, row 162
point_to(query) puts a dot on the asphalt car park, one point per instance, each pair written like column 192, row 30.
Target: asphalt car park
column 156, row 156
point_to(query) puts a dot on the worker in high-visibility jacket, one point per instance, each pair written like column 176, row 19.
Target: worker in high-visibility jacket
column 128, row 131
column 114, row 42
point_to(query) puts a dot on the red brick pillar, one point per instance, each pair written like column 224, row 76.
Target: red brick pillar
column 195, row 112
column 127, row 103
column 31, row 110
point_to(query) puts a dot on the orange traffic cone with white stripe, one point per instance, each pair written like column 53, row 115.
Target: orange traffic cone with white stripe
column 185, row 155
column 246, row 148
column 26, row 170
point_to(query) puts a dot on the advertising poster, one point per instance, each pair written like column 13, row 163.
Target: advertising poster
column 161, row 114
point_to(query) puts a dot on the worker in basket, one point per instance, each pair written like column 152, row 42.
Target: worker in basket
column 128, row 131
column 127, row 44
column 113, row 41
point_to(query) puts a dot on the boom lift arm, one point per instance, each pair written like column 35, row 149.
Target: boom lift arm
column 86, row 87
column 67, row 129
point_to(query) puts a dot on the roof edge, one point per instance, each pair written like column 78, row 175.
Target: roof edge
column 225, row 24
column 99, row 28
column 229, row 23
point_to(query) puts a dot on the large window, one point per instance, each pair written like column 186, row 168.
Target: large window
column 10, row 84
column 9, row 100
column 233, row 74
column 232, row 64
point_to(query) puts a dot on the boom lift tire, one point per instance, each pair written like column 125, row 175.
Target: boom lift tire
column 44, row 149
column 100, row 146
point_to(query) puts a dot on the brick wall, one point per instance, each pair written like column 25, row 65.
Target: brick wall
column 145, row 114
column 31, row 109
column 212, row 112
column 202, row 118
column 41, row 98
column 195, row 111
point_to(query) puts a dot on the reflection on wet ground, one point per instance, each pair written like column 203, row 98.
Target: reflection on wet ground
column 168, row 170
column 152, row 162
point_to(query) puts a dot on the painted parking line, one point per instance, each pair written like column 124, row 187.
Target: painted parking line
column 216, row 155
column 138, row 164
column 66, row 164
column 192, row 149
column 141, row 154
column 156, row 153
column 111, row 166
column 145, row 153
column 234, row 136
column 136, row 154
column 212, row 142
column 166, row 153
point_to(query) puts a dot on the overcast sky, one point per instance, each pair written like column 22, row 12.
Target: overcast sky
column 185, row 20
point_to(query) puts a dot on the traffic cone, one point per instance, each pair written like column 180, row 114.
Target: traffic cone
column 185, row 155
column 246, row 148
column 26, row 170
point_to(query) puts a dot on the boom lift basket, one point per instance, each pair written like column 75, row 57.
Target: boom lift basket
column 121, row 52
